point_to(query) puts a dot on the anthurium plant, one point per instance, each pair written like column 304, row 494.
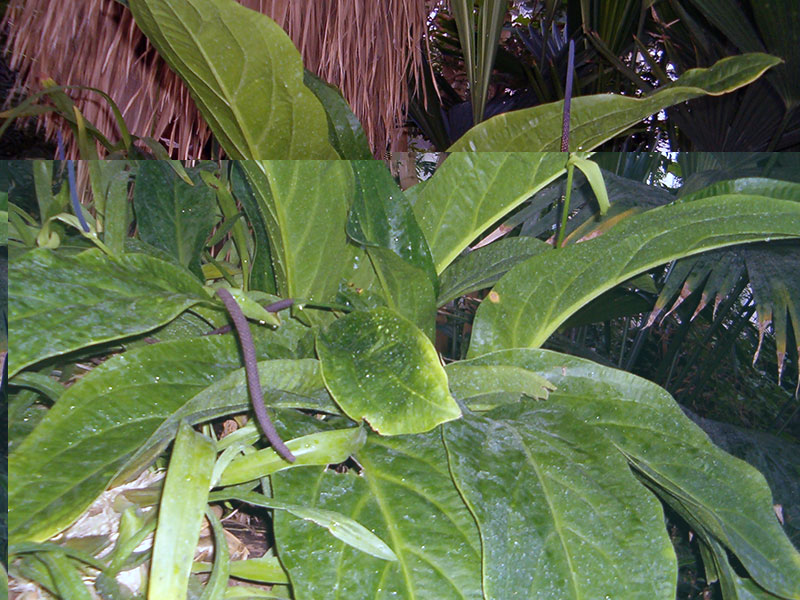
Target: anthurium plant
column 516, row 472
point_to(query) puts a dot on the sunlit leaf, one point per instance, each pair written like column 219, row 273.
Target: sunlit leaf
column 533, row 299
column 470, row 192
column 244, row 74
column 381, row 368
column 596, row 119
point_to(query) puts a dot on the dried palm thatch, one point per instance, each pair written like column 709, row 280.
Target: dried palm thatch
column 364, row 47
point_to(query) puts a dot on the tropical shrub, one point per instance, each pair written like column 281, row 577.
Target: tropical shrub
column 232, row 59
column 516, row 472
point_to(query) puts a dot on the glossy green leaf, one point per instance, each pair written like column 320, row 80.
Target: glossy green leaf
column 484, row 387
column 251, row 308
column 98, row 424
column 344, row 130
column 406, row 289
column 286, row 384
column 180, row 513
column 379, row 367
column 342, row 527
column 381, row 216
column 261, row 273
column 323, row 448
column 171, row 214
column 304, row 206
column 559, row 508
column 747, row 186
column 535, row 297
column 481, row 268
column 470, row 192
column 598, row 118
column 729, row 498
column 244, row 74
column 406, row 497
column 382, row 220
column 265, row 569
column 89, row 299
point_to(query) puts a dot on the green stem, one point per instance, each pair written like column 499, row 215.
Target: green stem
column 565, row 208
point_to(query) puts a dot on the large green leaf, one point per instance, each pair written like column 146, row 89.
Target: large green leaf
column 729, row 498
column 379, row 367
column 559, row 509
column 173, row 215
column 286, row 383
column 482, row 268
column 533, row 299
column 596, row 119
column 59, row 304
column 99, row 422
column 470, row 192
column 485, row 387
column 405, row 496
column 244, row 74
column 304, row 205
column 344, row 130
column 382, row 220
column 382, row 216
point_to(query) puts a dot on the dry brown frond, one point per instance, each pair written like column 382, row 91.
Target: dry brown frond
column 365, row 47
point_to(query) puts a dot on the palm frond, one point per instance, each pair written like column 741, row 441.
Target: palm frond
column 363, row 47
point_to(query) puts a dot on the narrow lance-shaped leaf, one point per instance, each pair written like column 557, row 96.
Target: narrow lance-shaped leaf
column 596, row 119
column 775, row 281
column 323, row 448
column 243, row 72
column 350, row 531
column 89, row 299
column 180, row 513
column 536, row 297
column 379, row 367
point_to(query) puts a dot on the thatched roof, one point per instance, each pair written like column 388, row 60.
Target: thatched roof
column 365, row 47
